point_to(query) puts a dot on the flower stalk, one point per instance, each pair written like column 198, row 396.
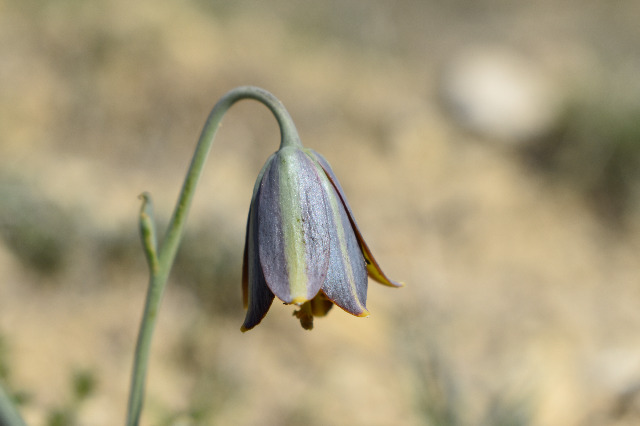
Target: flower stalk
column 160, row 257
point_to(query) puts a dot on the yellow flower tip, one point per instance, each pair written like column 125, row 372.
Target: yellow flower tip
column 299, row 300
column 364, row 314
column 243, row 329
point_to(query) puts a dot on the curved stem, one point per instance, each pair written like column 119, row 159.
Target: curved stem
column 288, row 134
column 161, row 258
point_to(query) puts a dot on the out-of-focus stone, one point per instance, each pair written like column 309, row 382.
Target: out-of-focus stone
column 499, row 94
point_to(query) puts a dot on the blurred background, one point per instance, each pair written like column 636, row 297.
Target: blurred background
column 490, row 151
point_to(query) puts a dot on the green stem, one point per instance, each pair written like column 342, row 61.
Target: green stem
column 161, row 259
column 9, row 414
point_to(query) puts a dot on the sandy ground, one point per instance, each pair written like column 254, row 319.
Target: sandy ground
column 521, row 299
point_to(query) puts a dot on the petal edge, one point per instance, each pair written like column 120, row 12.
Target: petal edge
column 373, row 268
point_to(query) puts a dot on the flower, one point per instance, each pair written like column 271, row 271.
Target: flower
column 302, row 243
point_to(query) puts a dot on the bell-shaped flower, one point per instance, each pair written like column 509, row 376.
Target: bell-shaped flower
column 303, row 245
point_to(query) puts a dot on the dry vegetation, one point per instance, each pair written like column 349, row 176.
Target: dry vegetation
column 521, row 257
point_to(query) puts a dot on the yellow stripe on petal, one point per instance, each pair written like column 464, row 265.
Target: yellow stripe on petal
column 344, row 252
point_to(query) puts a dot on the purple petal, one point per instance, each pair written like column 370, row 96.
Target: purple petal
column 346, row 282
column 257, row 296
column 293, row 234
column 373, row 268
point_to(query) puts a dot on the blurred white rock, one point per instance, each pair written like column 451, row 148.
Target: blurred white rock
column 499, row 94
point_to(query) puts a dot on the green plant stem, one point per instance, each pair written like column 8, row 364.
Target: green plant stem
column 9, row 414
column 160, row 259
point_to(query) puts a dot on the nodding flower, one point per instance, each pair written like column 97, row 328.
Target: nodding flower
column 303, row 245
